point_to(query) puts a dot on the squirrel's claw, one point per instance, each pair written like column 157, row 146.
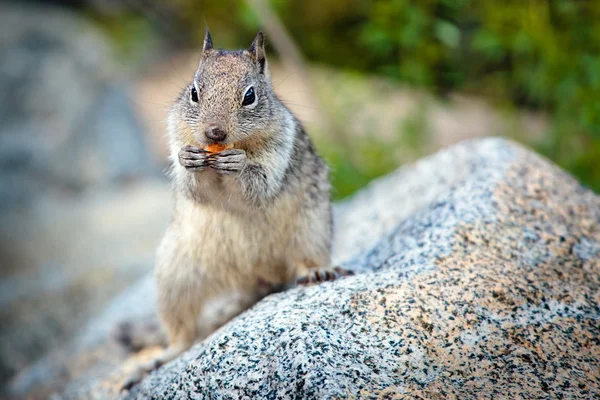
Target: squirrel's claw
column 230, row 161
column 318, row 275
column 193, row 158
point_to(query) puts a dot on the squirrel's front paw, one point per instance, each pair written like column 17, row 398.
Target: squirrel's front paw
column 194, row 158
column 230, row 162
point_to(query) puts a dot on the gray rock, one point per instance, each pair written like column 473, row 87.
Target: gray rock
column 67, row 121
column 81, row 209
column 478, row 276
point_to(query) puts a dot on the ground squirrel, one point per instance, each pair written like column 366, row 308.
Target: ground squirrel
column 254, row 215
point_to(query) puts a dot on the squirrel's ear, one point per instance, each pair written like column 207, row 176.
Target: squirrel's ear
column 257, row 51
column 208, row 45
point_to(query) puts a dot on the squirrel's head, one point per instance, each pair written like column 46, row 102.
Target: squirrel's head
column 230, row 98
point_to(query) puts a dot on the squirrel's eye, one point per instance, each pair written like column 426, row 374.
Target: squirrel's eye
column 249, row 97
column 194, row 94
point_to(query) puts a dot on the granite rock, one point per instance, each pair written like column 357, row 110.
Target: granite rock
column 478, row 275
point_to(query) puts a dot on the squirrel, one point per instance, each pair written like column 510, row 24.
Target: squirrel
column 255, row 214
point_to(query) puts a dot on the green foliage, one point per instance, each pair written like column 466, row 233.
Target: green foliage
column 541, row 54
column 131, row 34
column 176, row 23
column 232, row 22
column 348, row 174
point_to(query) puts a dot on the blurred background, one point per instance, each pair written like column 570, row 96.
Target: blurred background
column 86, row 85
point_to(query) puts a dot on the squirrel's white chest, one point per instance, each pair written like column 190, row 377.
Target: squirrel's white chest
column 217, row 189
column 238, row 246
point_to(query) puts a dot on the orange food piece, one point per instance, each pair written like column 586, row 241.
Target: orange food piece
column 216, row 148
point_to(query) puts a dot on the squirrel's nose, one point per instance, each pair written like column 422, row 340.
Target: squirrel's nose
column 215, row 133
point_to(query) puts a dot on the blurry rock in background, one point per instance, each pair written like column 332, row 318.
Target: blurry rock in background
column 82, row 203
column 67, row 119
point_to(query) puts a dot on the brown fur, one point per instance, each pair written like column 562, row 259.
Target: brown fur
column 264, row 218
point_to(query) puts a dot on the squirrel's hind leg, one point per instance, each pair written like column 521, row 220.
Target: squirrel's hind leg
column 182, row 323
column 169, row 354
column 181, row 297
column 181, row 328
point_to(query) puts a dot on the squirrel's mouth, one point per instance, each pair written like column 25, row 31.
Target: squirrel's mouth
column 216, row 147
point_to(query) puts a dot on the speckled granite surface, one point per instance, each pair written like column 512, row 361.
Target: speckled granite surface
column 478, row 277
